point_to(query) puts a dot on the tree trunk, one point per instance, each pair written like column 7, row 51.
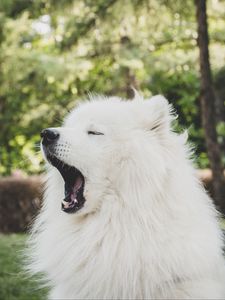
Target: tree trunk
column 131, row 84
column 208, row 111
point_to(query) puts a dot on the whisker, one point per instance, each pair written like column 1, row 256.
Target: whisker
column 58, row 121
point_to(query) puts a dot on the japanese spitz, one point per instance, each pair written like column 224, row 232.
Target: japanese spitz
column 124, row 215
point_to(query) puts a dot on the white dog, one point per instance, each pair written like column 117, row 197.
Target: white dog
column 124, row 215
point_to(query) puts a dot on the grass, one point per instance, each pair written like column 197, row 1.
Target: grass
column 14, row 284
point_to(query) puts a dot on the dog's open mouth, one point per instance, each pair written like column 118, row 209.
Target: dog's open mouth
column 74, row 185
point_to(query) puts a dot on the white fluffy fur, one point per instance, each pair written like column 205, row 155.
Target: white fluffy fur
column 148, row 230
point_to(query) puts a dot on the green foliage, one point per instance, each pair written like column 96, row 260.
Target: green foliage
column 14, row 283
column 53, row 52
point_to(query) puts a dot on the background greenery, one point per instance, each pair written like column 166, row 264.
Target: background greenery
column 53, row 52
column 14, row 284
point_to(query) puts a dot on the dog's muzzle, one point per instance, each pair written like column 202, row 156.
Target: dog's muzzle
column 74, row 182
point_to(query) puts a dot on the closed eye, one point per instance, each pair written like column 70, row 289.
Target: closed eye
column 95, row 132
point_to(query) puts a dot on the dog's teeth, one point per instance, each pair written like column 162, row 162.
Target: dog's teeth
column 66, row 204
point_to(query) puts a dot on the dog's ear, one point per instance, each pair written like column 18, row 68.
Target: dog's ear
column 158, row 113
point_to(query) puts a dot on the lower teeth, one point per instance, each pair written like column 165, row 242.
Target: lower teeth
column 68, row 204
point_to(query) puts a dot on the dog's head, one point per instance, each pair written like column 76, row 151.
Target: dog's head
column 102, row 143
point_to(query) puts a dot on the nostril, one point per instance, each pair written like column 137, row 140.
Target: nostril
column 49, row 136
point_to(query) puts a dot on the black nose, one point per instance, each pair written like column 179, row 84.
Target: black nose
column 49, row 136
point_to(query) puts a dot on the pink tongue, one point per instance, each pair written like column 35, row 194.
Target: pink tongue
column 76, row 188
column 77, row 184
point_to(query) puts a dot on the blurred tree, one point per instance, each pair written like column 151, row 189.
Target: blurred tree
column 208, row 106
column 220, row 107
column 52, row 52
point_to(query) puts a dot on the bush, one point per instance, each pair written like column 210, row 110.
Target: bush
column 19, row 202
